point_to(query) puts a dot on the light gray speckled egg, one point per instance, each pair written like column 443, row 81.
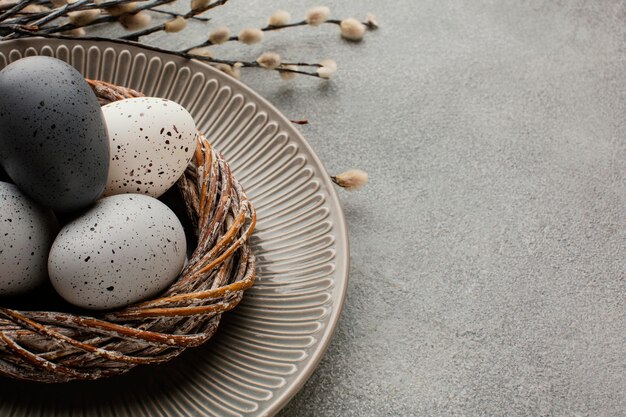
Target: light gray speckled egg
column 126, row 248
column 26, row 232
column 151, row 141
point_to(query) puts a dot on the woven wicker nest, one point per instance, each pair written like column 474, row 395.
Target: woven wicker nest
column 48, row 346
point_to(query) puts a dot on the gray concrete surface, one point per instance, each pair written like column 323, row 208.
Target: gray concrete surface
column 488, row 250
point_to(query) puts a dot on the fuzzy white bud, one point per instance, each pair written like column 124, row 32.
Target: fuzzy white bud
column 268, row 60
column 233, row 71
column 83, row 17
column 287, row 75
column 329, row 63
column 325, row 73
column 135, row 21
column 120, row 9
column 250, row 36
column 351, row 180
column 315, row 16
column 175, row 25
column 352, row 29
column 35, row 8
column 205, row 52
column 76, row 32
column 327, row 69
column 279, row 18
column 371, row 20
column 219, row 35
column 199, row 4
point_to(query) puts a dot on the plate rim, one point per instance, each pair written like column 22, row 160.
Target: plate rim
column 342, row 252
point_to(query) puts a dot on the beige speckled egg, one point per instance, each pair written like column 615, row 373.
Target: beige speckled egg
column 151, row 141
column 26, row 234
column 126, row 248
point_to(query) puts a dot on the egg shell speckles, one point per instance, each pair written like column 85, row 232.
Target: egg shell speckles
column 26, row 232
column 53, row 138
column 124, row 249
column 151, row 142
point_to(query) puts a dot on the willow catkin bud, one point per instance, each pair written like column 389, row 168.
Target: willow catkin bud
column 35, row 8
column 371, row 20
column 83, row 17
column 352, row 29
column 268, row 60
column 351, row 180
column 327, row 69
column 120, row 9
column 279, row 18
column 76, row 32
column 325, row 73
column 175, row 25
column 250, row 36
column 135, row 21
column 199, row 4
column 219, row 35
column 315, row 16
column 287, row 75
column 233, row 71
column 205, row 52
column 329, row 63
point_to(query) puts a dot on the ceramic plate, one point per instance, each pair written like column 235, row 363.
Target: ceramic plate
column 270, row 344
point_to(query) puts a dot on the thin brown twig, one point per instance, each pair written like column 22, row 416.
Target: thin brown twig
column 248, row 64
column 174, row 14
column 59, row 12
column 105, row 19
column 160, row 27
column 27, row 17
column 270, row 28
column 15, row 9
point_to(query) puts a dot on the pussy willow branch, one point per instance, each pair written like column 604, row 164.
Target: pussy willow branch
column 16, row 25
column 248, row 64
column 15, row 9
column 59, row 12
column 270, row 28
column 103, row 19
column 107, row 18
column 53, row 15
column 174, row 14
column 22, row 18
column 160, row 27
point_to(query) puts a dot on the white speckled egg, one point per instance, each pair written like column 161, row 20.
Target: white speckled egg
column 151, row 141
column 26, row 234
column 126, row 248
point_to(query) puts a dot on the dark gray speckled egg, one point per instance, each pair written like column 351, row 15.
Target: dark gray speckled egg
column 27, row 231
column 53, row 138
column 124, row 249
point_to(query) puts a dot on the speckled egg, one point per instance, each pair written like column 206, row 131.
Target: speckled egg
column 53, row 139
column 122, row 250
column 151, row 142
column 26, row 234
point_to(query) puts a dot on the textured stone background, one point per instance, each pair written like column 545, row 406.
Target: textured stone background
column 489, row 250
